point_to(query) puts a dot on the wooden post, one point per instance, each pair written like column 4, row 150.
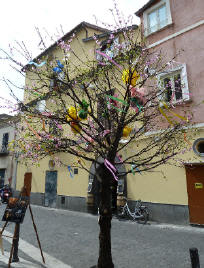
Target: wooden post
column 26, row 192
column 195, row 263
column 15, row 244
column 12, row 247
column 36, row 232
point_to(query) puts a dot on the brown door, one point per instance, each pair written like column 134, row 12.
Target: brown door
column 27, row 183
column 195, row 188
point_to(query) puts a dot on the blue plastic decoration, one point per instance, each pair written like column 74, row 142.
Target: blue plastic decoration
column 37, row 65
column 70, row 172
column 58, row 68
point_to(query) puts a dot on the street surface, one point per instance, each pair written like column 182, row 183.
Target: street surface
column 70, row 240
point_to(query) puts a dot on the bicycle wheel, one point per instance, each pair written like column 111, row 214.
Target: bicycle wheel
column 122, row 215
column 145, row 217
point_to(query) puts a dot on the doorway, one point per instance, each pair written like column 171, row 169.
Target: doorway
column 118, row 188
column 51, row 189
column 195, row 189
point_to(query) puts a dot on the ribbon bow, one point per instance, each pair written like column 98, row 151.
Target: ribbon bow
column 111, row 168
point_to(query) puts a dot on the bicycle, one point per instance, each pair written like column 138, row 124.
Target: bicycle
column 140, row 214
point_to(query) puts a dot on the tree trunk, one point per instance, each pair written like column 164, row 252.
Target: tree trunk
column 105, row 256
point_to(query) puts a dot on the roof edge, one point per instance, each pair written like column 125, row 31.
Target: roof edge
column 141, row 10
column 75, row 29
column 134, row 26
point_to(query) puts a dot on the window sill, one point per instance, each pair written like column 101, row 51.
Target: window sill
column 178, row 103
column 159, row 30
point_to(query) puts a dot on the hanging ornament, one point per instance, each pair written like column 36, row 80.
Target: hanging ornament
column 126, row 131
column 134, row 77
column 72, row 114
column 75, row 127
column 83, row 112
column 58, row 68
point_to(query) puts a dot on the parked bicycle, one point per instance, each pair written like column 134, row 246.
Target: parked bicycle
column 140, row 213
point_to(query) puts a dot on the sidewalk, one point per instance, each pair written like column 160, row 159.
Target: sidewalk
column 33, row 253
column 21, row 264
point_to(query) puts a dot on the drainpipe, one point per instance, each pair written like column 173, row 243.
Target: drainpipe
column 13, row 173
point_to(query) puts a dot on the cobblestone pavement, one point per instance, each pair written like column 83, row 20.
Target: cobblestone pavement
column 71, row 239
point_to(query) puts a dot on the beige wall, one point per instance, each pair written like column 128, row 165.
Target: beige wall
column 154, row 187
column 167, row 183
column 66, row 185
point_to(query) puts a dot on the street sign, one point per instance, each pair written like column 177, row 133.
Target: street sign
column 198, row 185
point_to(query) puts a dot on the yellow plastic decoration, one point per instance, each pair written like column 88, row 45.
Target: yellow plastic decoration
column 72, row 114
column 135, row 77
column 167, row 118
column 126, row 131
column 75, row 127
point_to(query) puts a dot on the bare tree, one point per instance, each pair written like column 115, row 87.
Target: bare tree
column 108, row 104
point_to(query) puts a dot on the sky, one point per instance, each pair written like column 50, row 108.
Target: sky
column 19, row 18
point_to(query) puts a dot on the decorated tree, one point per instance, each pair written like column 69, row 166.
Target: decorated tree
column 98, row 105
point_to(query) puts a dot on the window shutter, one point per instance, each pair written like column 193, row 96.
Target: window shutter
column 184, row 82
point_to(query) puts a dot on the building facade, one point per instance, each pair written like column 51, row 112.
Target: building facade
column 8, row 163
column 176, row 27
column 52, row 185
column 167, row 191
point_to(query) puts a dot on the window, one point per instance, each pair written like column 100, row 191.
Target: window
column 2, row 177
column 5, row 141
column 56, row 81
column 110, row 48
column 198, row 147
column 174, row 85
column 53, row 84
column 157, row 17
column 75, row 170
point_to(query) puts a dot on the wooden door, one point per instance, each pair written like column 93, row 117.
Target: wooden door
column 195, row 188
column 27, row 183
column 51, row 188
